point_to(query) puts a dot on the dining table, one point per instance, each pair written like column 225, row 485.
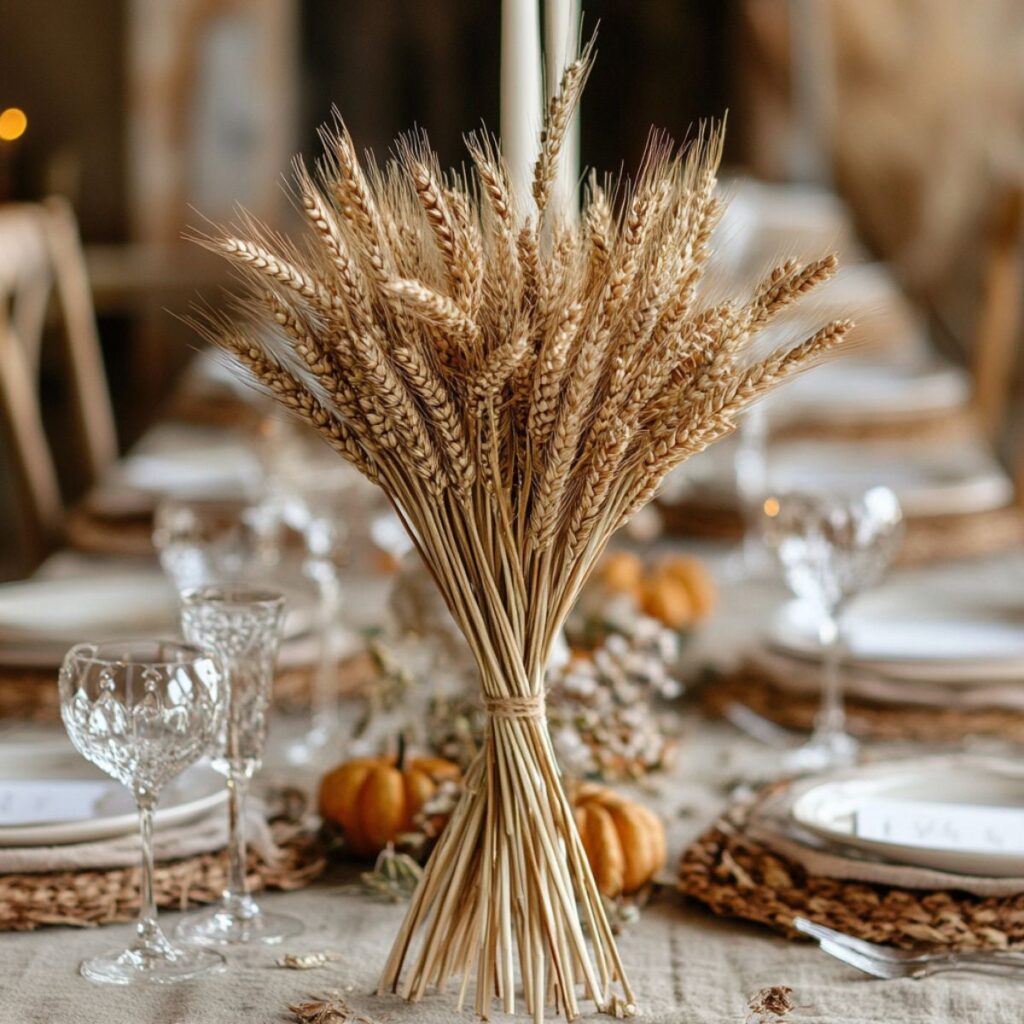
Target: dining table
column 686, row 965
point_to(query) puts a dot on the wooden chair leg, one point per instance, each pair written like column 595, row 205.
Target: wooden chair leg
column 999, row 319
column 33, row 462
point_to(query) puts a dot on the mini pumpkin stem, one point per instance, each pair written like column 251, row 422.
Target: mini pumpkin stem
column 400, row 758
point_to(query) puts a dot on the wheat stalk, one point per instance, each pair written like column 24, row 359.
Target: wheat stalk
column 518, row 388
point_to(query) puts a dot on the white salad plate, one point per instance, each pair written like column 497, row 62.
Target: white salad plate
column 947, row 480
column 848, row 390
column 193, row 794
column 830, row 809
column 180, row 461
column 41, row 618
column 919, row 630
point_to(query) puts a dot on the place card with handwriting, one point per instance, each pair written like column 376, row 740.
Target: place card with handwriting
column 36, row 802
column 941, row 826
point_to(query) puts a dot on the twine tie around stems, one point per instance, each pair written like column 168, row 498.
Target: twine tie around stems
column 530, row 706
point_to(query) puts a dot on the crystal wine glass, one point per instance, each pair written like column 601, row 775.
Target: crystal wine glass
column 750, row 464
column 211, row 540
column 241, row 625
column 319, row 514
column 831, row 548
column 143, row 711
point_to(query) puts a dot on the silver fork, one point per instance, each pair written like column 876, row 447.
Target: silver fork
column 879, row 952
column 883, row 962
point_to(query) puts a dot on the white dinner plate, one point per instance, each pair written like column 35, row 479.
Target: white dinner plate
column 829, row 809
column 921, row 629
column 194, row 793
column 182, row 461
column 850, row 390
column 942, row 480
column 41, row 618
column 68, row 610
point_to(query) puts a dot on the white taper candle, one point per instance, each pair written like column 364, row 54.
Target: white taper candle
column 561, row 47
column 521, row 101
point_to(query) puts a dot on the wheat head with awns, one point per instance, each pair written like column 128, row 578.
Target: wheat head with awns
column 518, row 383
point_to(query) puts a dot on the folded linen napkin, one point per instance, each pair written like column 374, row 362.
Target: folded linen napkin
column 205, row 835
column 769, row 823
column 798, row 675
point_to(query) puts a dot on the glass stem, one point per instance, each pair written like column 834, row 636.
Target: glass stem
column 147, row 928
column 236, row 895
column 323, row 699
column 751, row 468
column 831, row 720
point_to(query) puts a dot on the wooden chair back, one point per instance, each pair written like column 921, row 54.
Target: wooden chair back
column 997, row 333
column 41, row 263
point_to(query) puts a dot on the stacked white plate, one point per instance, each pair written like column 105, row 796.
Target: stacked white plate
column 942, row 626
column 958, row 815
column 180, row 461
column 945, row 636
column 41, row 618
column 854, row 391
column 51, row 796
column 931, row 481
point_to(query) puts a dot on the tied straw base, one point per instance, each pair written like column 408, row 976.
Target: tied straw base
column 530, row 706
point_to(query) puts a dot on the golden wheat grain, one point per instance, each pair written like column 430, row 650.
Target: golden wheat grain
column 519, row 385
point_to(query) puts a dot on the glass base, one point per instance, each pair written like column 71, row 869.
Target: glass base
column 821, row 752
column 224, row 927
column 159, row 964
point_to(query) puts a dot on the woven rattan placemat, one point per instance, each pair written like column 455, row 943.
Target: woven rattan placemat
column 738, row 877
column 31, row 693
column 926, row 538
column 906, row 428
column 86, row 531
column 756, row 690
column 104, row 897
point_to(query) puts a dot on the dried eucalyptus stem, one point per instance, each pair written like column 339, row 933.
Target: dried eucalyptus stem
column 518, row 386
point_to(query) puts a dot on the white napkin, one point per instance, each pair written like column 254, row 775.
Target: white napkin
column 799, row 676
column 206, row 835
column 770, row 823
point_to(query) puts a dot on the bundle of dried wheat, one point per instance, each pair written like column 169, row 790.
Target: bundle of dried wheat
column 518, row 385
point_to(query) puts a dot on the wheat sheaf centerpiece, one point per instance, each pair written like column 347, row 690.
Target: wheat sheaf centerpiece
column 518, row 384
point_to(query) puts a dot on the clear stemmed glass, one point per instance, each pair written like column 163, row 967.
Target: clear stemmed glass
column 143, row 711
column 211, row 540
column 750, row 464
column 241, row 625
column 831, row 548
column 319, row 513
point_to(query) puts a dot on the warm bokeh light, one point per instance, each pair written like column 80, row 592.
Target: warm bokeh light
column 13, row 123
column 771, row 507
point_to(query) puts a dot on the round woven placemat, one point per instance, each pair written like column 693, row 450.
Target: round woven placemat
column 930, row 427
column 756, row 690
column 925, row 539
column 31, row 693
column 212, row 407
column 86, row 531
column 737, row 877
column 105, row 897
column 866, row 719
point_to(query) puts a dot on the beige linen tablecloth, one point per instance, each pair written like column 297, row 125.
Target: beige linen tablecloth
column 686, row 966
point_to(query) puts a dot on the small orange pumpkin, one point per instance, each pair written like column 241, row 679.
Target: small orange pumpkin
column 624, row 841
column 622, row 572
column 668, row 600
column 376, row 799
column 694, row 576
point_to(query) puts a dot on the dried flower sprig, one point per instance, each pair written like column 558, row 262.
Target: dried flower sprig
column 332, row 1008
column 518, row 386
